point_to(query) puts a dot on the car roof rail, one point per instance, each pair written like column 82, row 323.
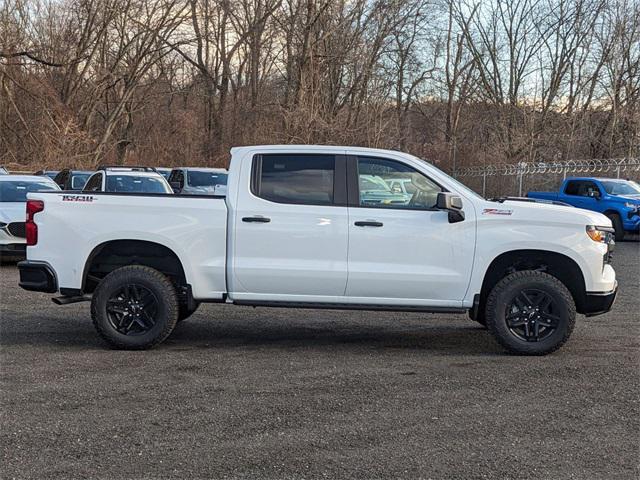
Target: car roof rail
column 128, row 168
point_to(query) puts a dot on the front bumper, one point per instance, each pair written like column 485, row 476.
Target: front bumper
column 597, row 303
column 37, row 277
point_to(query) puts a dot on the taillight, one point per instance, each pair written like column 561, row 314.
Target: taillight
column 31, row 229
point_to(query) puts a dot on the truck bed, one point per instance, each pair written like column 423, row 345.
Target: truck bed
column 543, row 195
column 73, row 225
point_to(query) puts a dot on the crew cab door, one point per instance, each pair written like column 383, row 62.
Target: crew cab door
column 290, row 229
column 402, row 250
column 583, row 194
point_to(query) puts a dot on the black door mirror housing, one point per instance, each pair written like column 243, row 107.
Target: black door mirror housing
column 175, row 186
column 452, row 203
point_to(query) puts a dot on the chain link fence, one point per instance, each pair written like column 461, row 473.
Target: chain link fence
column 517, row 179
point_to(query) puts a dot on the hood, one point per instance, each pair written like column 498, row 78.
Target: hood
column 630, row 198
column 13, row 212
column 535, row 213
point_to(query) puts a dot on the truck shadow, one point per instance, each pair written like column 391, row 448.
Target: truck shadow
column 454, row 340
column 236, row 328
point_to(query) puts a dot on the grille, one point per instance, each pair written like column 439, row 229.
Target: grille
column 16, row 229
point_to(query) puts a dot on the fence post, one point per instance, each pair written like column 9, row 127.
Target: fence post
column 520, row 184
column 484, row 184
column 618, row 171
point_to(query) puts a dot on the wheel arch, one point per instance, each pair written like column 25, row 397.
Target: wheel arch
column 612, row 211
column 112, row 254
column 560, row 266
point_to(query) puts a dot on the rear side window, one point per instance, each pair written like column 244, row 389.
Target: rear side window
column 581, row 188
column 294, row 178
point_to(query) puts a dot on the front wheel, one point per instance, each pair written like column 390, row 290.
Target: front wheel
column 618, row 227
column 134, row 308
column 530, row 313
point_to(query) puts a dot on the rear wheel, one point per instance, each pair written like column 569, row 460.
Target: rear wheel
column 530, row 313
column 616, row 221
column 134, row 308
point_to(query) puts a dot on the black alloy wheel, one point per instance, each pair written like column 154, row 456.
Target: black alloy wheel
column 132, row 309
column 532, row 315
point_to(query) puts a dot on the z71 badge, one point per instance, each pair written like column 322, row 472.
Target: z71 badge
column 77, row 198
column 496, row 211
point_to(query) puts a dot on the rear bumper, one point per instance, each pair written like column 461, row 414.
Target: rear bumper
column 37, row 277
column 597, row 303
column 13, row 250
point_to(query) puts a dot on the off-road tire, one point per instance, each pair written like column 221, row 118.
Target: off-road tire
column 503, row 295
column 616, row 221
column 166, row 301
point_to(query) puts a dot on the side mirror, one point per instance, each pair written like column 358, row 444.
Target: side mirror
column 594, row 194
column 452, row 203
column 175, row 186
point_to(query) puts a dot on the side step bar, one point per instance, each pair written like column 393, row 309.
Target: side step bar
column 64, row 300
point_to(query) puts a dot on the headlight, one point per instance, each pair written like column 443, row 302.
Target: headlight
column 631, row 205
column 600, row 234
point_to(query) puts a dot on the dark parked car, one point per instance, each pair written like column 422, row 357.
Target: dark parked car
column 47, row 173
column 72, row 179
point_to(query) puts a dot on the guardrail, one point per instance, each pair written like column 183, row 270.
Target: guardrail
column 497, row 178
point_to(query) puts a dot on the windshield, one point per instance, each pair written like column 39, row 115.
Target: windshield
column 620, row 187
column 133, row 184
column 459, row 184
column 16, row 190
column 206, row 179
column 78, row 180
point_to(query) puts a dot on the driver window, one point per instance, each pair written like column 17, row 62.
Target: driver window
column 390, row 184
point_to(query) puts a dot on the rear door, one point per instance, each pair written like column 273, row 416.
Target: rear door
column 291, row 228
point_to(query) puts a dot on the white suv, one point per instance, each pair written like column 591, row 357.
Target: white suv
column 127, row 180
column 13, row 198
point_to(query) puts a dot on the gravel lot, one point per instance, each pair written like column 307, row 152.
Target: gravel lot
column 274, row 393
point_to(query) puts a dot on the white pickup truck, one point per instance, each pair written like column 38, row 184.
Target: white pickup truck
column 322, row 227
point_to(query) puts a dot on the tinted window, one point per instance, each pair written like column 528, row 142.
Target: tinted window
column 16, row 191
column 60, row 178
column 94, row 184
column 206, row 179
column 581, row 188
column 391, row 184
column 177, row 177
column 134, row 184
column 304, row 179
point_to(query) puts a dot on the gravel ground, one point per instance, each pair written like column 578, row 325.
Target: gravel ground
column 273, row 393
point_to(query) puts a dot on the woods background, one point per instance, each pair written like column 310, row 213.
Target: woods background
column 178, row 82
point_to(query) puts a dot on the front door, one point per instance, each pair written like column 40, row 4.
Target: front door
column 584, row 194
column 291, row 229
column 402, row 250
